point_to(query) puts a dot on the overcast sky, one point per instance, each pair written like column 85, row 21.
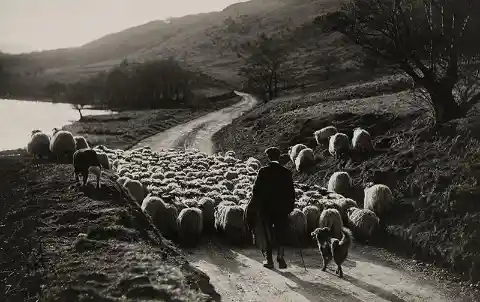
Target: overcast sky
column 28, row 25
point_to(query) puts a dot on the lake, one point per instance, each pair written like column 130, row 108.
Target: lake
column 19, row 118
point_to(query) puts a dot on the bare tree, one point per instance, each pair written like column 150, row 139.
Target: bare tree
column 264, row 61
column 79, row 108
column 433, row 41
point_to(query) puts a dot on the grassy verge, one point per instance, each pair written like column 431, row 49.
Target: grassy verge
column 122, row 257
column 125, row 129
column 432, row 174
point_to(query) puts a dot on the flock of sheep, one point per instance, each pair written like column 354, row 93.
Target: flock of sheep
column 189, row 193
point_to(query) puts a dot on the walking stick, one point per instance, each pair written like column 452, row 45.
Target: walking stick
column 301, row 254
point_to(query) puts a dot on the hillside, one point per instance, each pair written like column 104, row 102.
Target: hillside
column 201, row 41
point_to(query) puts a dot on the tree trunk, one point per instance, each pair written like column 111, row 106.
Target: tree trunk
column 80, row 112
column 446, row 108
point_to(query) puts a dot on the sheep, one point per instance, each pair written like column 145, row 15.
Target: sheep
column 163, row 215
column 229, row 222
column 104, row 161
column 312, row 214
column 343, row 204
column 207, row 205
column 83, row 159
column 332, row 219
column 339, row 144
column 81, row 143
column 297, row 226
column 378, row 198
column 363, row 222
column 305, row 159
column 135, row 188
column 62, row 144
column 230, row 153
column 295, row 150
column 340, row 183
column 362, row 140
column 254, row 163
column 39, row 144
column 190, row 226
column 323, row 135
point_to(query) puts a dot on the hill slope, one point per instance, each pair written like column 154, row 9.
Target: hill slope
column 200, row 40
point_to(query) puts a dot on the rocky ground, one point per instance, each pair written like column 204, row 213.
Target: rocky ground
column 122, row 257
column 434, row 174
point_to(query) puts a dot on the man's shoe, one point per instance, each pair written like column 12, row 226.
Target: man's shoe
column 281, row 263
column 268, row 264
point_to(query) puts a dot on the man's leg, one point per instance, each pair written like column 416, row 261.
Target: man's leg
column 280, row 231
column 267, row 227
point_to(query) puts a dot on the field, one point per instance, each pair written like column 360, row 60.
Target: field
column 431, row 171
column 127, row 128
column 120, row 255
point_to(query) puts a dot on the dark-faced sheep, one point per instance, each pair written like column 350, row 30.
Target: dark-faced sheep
column 135, row 188
column 207, row 206
column 190, row 226
column 331, row 218
column 379, row 199
column 83, row 160
column 39, row 145
column 343, row 205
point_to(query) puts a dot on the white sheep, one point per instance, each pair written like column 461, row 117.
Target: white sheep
column 362, row 221
column 135, row 188
column 339, row 143
column 312, row 214
column 62, row 144
column 190, row 226
column 378, row 198
column 80, row 143
column 254, row 163
column 341, row 183
column 229, row 222
column 332, row 219
column 39, row 145
column 295, row 150
column 103, row 158
column 362, row 140
column 305, row 159
column 324, row 134
column 297, row 226
column 162, row 215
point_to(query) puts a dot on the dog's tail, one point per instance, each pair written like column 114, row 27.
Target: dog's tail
column 346, row 239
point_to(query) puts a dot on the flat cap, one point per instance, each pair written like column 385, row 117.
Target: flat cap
column 273, row 153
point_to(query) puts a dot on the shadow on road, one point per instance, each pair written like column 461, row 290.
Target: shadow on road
column 374, row 289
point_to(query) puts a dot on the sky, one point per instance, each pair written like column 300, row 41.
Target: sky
column 31, row 25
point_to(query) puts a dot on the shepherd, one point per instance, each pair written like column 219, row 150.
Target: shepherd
column 273, row 199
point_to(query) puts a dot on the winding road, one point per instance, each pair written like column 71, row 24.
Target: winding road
column 197, row 134
column 370, row 274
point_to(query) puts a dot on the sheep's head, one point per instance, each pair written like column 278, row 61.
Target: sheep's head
column 369, row 185
column 55, row 130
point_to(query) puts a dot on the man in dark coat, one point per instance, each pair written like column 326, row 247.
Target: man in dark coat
column 274, row 198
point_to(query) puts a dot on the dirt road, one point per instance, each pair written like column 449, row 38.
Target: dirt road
column 237, row 274
column 198, row 133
